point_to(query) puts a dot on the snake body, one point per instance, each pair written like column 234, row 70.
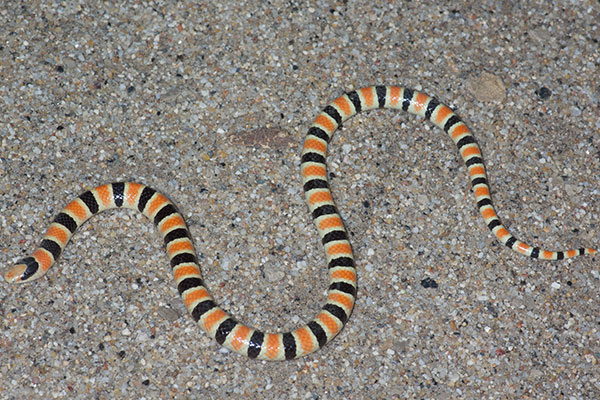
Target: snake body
column 342, row 287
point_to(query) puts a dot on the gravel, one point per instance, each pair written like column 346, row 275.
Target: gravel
column 184, row 97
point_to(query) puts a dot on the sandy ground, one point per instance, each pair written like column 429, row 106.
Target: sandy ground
column 209, row 103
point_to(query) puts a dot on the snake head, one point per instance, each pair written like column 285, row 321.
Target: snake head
column 22, row 271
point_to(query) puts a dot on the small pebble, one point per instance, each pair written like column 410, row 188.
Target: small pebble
column 487, row 88
column 544, row 93
column 429, row 283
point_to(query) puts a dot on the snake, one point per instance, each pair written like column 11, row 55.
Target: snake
column 342, row 290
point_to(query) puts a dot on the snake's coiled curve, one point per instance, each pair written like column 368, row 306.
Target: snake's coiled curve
column 342, row 288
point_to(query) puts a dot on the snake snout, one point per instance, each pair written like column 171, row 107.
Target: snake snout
column 15, row 273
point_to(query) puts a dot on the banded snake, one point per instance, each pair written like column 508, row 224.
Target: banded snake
column 342, row 287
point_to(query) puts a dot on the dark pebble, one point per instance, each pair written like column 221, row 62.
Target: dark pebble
column 429, row 283
column 544, row 93
column 492, row 310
